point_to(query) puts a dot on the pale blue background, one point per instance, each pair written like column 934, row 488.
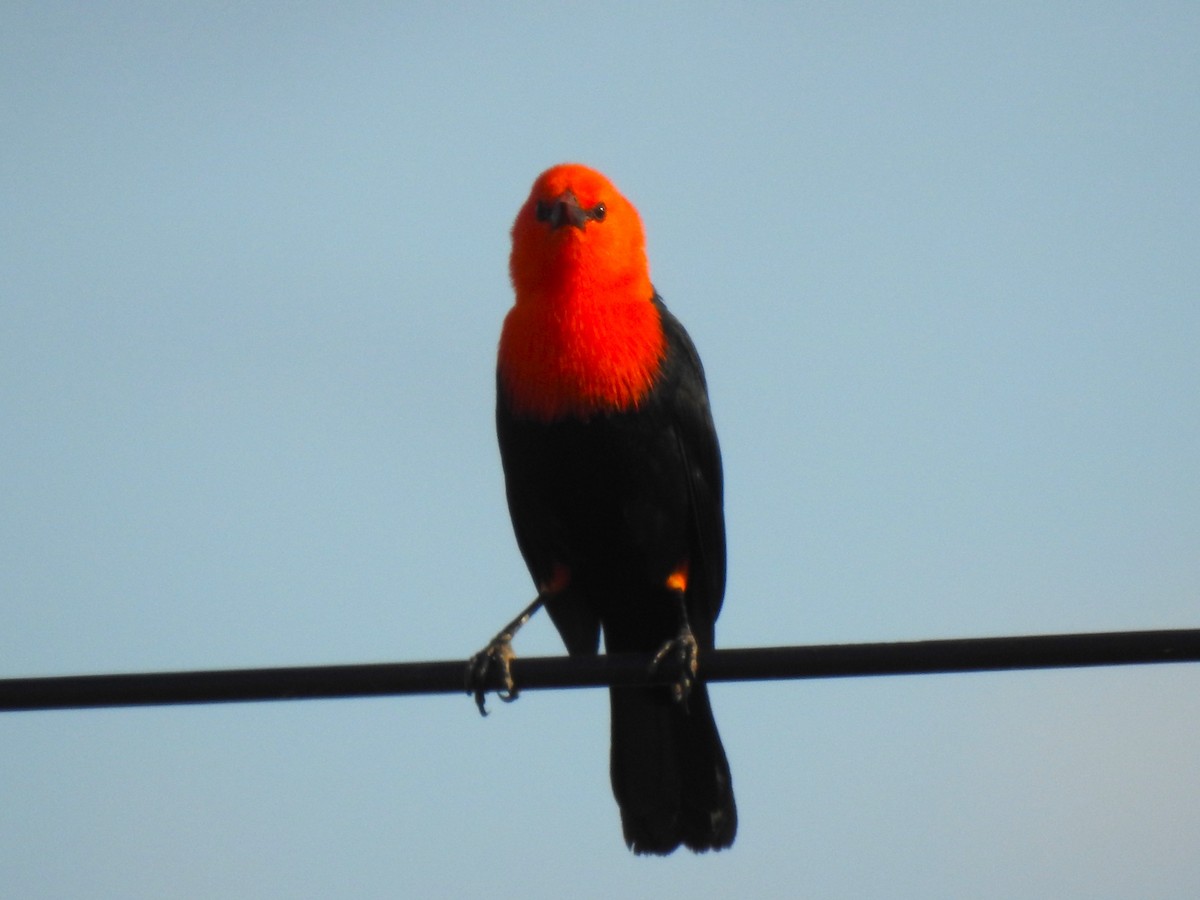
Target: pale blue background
column 941, row 261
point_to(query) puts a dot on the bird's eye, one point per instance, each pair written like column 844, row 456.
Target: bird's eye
column 599, row 211
column 542, row 211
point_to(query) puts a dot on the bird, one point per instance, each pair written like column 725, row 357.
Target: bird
column 614, row 484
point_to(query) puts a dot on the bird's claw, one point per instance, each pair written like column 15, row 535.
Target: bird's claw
column 682, row 654
column 497, row 655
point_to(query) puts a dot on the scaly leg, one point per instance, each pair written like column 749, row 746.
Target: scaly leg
column 498, row 654
column 680, row 652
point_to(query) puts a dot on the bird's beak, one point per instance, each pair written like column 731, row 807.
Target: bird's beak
column 565, row 210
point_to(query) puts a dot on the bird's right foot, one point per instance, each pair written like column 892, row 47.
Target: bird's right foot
column 497, row 656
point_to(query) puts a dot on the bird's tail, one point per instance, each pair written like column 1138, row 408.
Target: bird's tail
column 669, row 772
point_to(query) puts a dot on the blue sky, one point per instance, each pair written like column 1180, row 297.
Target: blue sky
column 940, row 261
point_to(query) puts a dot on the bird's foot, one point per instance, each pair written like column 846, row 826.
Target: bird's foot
column 682, row 654
column 481, row 668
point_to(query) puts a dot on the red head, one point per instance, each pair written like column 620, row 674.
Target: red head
column 584, row 334
column 576, row 236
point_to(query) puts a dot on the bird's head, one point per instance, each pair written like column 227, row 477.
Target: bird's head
column 578, row 237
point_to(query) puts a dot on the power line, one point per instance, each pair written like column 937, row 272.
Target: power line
column 748, row 664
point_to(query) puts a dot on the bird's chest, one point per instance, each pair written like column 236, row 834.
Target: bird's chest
column 576, row 358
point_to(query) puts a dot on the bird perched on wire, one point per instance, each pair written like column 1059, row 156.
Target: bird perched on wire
column 613, row 476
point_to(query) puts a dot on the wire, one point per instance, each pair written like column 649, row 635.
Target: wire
column 749, row 664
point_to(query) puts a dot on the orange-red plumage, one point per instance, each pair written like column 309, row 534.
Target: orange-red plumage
column 583, row 335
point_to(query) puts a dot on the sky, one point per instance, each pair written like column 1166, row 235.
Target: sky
column 941, row 262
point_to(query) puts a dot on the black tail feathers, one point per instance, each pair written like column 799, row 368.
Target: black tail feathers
column 670, row 776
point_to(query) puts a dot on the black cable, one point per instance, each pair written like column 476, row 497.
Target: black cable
column 750, row 664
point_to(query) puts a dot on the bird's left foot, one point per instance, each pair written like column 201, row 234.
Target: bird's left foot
column 481, row 668
column 682, row 654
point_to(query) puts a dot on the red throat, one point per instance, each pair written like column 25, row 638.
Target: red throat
column 584, row 335
column 579, row 358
